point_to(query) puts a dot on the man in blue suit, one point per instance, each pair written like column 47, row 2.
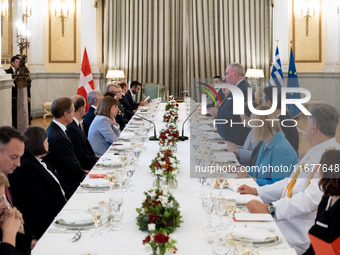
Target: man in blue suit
column 234, row 75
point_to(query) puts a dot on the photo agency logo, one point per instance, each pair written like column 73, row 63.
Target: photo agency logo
column 238, row 104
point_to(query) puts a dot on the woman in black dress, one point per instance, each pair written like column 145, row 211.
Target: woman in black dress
column 38, row 190
column 327, row 222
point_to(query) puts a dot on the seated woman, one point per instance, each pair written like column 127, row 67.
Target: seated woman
column 244, row 152
column 104, row 129
column 37, row 189
column 276, row 157
column 327, row 222
column 13, row 241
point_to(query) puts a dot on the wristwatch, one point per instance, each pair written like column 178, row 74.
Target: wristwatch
column 271, row 209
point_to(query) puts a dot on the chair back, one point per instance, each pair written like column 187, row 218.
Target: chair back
column 152, row 90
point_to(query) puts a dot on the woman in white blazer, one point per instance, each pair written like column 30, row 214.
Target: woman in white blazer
column 104, row 129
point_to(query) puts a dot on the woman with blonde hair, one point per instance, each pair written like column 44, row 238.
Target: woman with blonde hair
column 11, row 225
column 276, row 158
column 104, row 129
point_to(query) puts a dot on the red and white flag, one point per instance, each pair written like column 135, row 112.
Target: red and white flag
column 86, row 83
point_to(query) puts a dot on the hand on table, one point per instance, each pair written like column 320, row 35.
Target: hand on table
column 255, row 206
column 245, row 189
column 231, row 147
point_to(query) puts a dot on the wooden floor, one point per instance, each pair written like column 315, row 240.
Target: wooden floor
column 303, row 146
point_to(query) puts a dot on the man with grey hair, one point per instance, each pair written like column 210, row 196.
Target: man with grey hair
column 234, row 75
column 110, row 88
column 293, row 201
column 93, row 97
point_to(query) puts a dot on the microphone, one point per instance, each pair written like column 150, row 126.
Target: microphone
column 182, row 137
column 151, row 138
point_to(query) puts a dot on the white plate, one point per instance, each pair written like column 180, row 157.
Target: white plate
column 126, row 135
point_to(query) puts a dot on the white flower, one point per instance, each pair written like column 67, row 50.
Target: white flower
column 151, row 227
column 158, row 172
column 172, row 160
column 152, row 193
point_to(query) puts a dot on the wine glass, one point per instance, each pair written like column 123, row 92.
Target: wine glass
column 220, row 209
column 122, row 157
column 96, row 216
column 208, row 207
column 231, row 207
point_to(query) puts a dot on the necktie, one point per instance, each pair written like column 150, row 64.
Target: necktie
column 8, row 196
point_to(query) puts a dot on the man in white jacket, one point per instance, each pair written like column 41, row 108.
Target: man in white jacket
column 293, row 201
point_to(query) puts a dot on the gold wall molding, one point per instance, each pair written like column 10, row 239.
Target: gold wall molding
column 62, row 48
column 7, row 35
column 307, row 48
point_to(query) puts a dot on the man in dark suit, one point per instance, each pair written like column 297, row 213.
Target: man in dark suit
column 237, row 134
column 217, row 80
column 93, row 97
column 135, row 87
column 62, row 156
column 124, row 101
column 290, row 132
column 15, row 60
column 82, row 147
column 12, row 145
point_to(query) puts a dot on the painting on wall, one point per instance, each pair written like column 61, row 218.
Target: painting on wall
column 307, row 31
column 62, row 31
column 6, row 33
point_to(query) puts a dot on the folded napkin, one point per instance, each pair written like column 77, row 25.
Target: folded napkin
column 278, row 251
column 115, row 161
column 255, row 217
column 122, row 146
column 75, row 218
column 213, row 135
column 243, row 199
column 96, row 182
column 253, row 233
column 206, row 128
column 218, row 147
column 126, row 135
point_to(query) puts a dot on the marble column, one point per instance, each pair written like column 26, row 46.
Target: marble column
column 280, row 31
column 35, row 24
column 333, row 38
column 89, row 33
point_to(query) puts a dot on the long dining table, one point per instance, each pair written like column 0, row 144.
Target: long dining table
column 190, row 236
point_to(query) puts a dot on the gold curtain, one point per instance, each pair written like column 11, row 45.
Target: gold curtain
column 177, row 42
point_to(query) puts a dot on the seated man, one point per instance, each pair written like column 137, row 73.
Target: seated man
column 135, row 87
column 293, row 201
column 291, row 133
column 237, row 134
column 12, row 145
column 125, row 102
column 62, row 156
column 93, row 97
column 82, row 147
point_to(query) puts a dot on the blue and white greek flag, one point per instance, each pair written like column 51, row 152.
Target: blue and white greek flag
column 276, row 78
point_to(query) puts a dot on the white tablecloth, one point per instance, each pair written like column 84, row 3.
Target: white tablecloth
column 190, row 236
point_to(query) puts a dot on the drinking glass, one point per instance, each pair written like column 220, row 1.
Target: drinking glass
column 231, row 207
column 116, row 218
column 96, row 216
column 208, row 207
column 220, row 209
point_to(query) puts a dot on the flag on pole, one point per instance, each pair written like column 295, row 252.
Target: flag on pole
column 292, row 82
column 276, row 78
column 86, row 83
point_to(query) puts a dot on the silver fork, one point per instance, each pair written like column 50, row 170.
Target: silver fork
column 76, row 237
